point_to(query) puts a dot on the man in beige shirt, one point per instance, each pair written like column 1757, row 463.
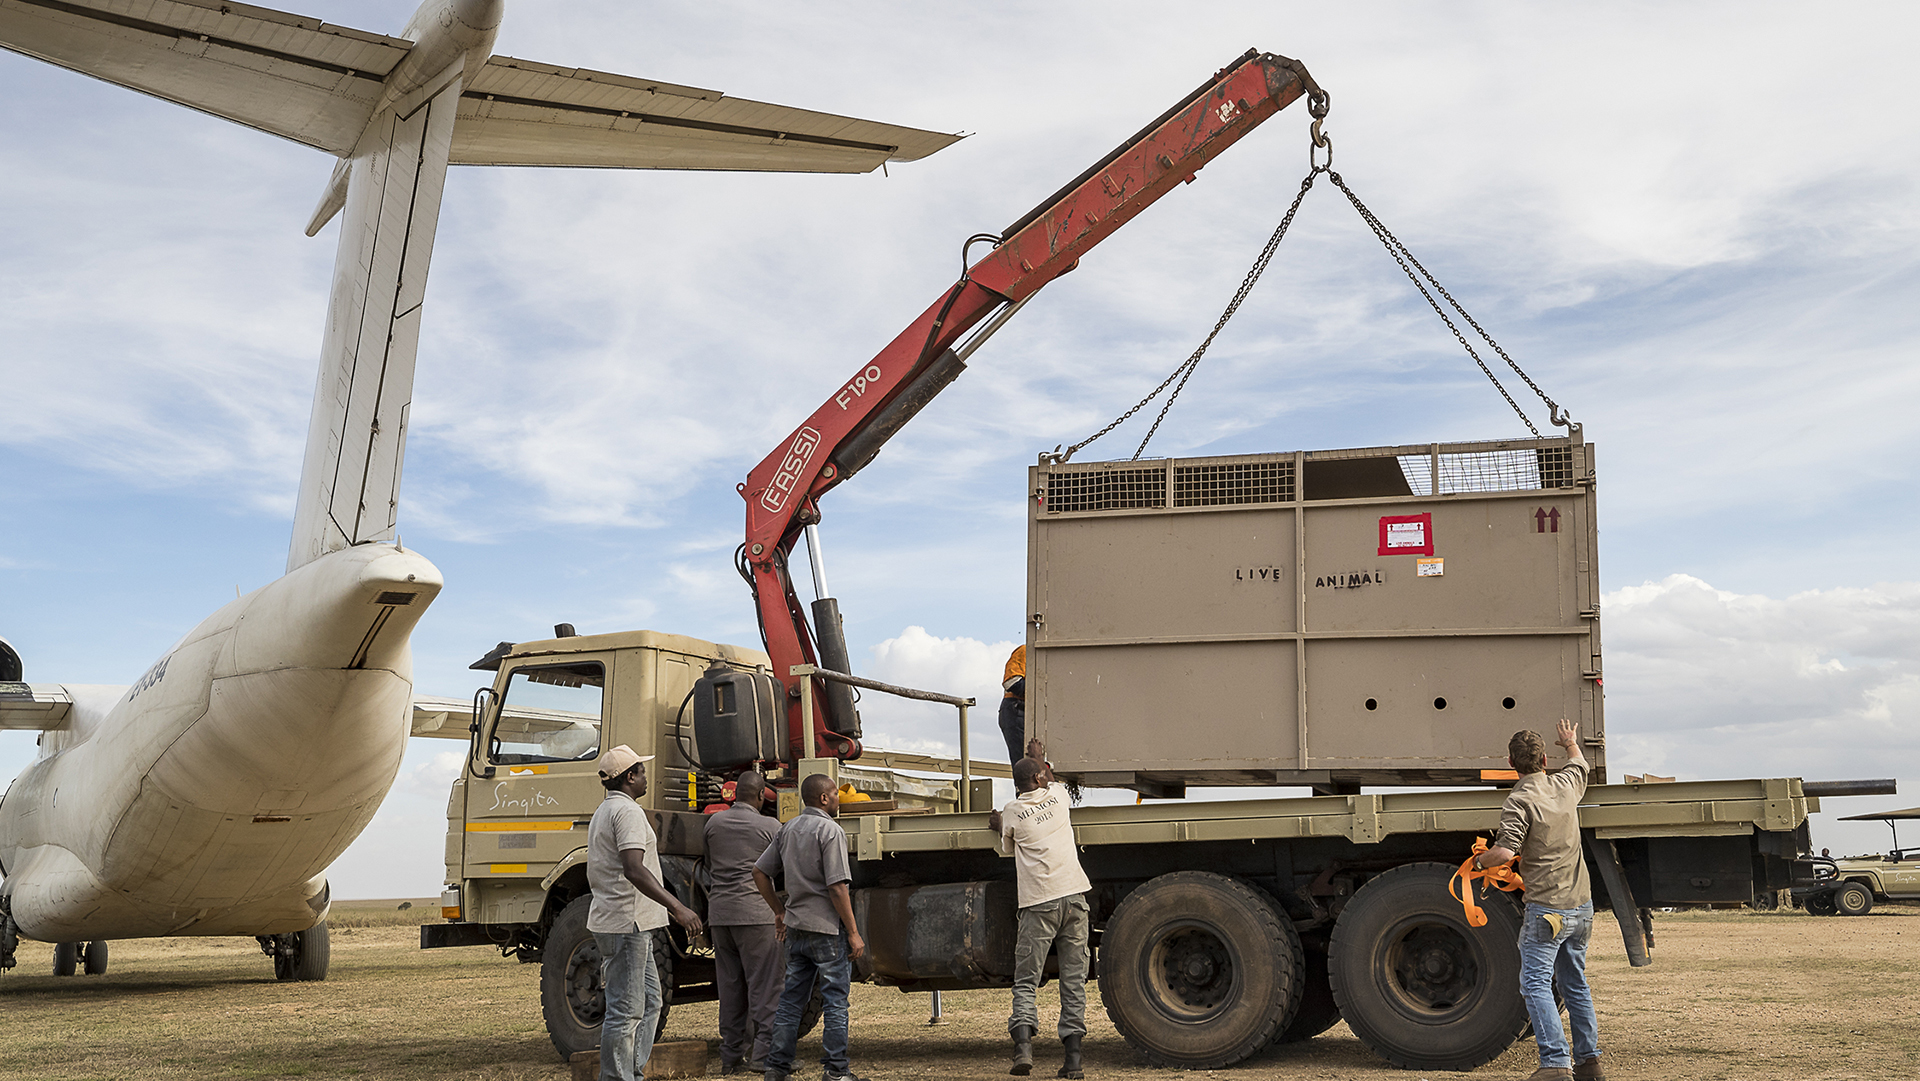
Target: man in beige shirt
column 1541, row 822
column 1035, row 829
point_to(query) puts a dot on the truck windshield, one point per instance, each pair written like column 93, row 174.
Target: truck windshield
column 550, row 713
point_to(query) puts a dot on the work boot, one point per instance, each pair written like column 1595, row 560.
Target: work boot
column 1071, row 1067
column 773, row 1074
column 1022, row 1051
column 1589, row 1070
column 1551, row 1073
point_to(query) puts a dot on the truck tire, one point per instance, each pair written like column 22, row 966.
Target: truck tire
column 1199, row 971
column 1317, row 1011
column 1852, row 899
column 1421, row 987
column 1820, row 904
column 572, row 997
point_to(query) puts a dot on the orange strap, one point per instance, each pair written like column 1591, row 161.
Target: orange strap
column 1505, row 876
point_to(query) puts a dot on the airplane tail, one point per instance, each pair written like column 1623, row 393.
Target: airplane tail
column 356, row 439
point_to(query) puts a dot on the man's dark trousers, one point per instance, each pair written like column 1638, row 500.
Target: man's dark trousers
column 748, row 964
column 1013, row 727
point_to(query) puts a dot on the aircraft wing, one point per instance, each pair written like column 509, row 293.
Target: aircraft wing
column 295, row 77
column 518, row 112
column 447, row 718
column 34, row 706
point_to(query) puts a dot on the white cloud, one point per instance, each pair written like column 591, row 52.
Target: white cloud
column 962, row 667
column 1824, row 684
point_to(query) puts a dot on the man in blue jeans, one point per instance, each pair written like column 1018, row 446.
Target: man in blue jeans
column 816, row 921
column 623, row 870
column 1541, row 822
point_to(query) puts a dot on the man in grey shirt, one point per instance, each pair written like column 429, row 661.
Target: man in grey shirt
column 623, row 870
column 747, row 957
column 816, row 920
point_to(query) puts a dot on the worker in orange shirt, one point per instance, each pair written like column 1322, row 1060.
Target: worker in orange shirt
column 1013, row 708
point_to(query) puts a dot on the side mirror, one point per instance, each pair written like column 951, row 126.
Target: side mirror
column 484, row 700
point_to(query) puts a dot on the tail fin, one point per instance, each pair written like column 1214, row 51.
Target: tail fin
column 356, row 439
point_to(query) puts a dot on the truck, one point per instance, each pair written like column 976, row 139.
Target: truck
column 1298, row 637
column 1221, row 927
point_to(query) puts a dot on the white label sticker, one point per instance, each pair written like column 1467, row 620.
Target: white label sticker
column 1429, row 567
column 1406, row 534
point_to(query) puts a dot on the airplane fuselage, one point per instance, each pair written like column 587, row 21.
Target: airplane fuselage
column 212, row 794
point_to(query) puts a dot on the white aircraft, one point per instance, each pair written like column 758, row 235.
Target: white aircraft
column 210, row 796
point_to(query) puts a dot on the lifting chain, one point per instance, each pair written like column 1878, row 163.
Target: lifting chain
column 1404, row 257
column 1185, row 370
column 1319, row 140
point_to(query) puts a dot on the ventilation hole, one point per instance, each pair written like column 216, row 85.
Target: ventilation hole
column 1439, row 703
column 394, row 598
column 1507, row 702
column 1371, row 704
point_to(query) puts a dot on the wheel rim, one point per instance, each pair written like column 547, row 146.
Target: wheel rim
column 1432, row 971
column 586, row 998
column 1191, row 973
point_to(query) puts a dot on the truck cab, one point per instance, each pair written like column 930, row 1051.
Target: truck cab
column 517, row 815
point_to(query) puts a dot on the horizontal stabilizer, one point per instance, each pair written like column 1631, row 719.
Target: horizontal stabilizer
column 34, row 707
column 296, row 77
column 518, row 112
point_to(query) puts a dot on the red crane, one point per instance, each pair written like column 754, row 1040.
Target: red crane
column 783, row 492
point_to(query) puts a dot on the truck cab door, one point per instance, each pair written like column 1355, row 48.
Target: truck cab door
column 534, row 784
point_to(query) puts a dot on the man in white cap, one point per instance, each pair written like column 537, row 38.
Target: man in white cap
column 629, row 903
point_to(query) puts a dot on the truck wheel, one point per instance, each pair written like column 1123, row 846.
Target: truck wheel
column 66, row 958
column 1853, row 899
column 1420, row 986
column 1820, row 904
column 1199, row 971
column 1318, row 1012
column 572, row 999
column 93, row 958
column 663, row 968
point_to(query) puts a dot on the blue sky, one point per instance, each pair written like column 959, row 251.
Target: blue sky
column 1695, row 225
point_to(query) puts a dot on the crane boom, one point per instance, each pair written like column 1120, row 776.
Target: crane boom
column 841, row 436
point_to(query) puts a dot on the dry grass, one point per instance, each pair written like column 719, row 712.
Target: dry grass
column 1731, row 996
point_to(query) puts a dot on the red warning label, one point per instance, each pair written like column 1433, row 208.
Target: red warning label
column 1406, row 535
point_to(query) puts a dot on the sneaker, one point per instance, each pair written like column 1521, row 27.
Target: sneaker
column 1589, row 1070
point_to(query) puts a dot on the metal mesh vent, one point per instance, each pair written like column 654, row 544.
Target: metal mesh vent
column 1490, row 471
column 1233, row 483
column 1556, row 467
column 1107, row 489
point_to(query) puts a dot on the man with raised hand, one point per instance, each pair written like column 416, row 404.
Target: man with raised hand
column 1541, row 822
column 747, row 957
column 1034, row 828
column 816, row 922
column 629, row 903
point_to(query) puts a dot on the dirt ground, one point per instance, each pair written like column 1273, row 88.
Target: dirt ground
column 1731, row 995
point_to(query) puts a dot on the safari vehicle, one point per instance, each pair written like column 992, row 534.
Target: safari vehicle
column 1851, row 885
